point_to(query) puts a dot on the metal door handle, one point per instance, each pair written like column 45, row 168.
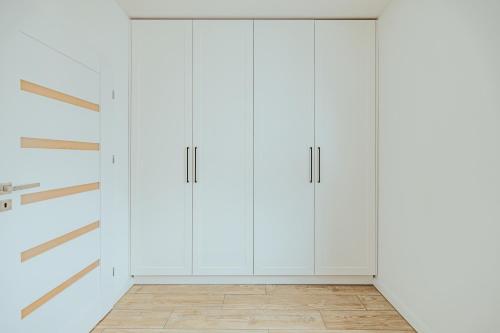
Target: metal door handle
column 8, row 188
column 319, row 164
column 187, row 164
column 311, row 164
column 195, row 166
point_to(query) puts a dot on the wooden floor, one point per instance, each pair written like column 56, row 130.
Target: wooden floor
column 253, row 309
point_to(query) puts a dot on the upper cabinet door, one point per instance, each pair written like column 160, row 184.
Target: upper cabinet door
column 223, row 139
column 284, row 140
column 345, row 140
column 161, row 132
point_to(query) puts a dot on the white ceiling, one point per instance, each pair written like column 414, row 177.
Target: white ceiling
column 253, row 8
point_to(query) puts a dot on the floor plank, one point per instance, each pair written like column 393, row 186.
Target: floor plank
column 293, row 302
column 364, row 320
column 181, row 331
column 135, row 319
column 375, row 302
column 245, row 319
column 322, row 290
column 203, row 289
column 137, row 301
column 337, row 331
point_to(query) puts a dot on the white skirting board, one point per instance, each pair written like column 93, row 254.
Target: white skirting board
column 362, row 279
column 402, row 308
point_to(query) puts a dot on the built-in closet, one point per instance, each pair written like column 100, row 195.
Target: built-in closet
column 253, row 147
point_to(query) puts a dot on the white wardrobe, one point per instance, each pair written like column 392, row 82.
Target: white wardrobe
column 253, row 147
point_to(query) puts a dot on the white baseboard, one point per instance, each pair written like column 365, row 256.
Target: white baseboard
column 402, row 308
column 253, row 279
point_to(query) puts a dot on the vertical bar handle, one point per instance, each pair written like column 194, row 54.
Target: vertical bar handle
column 187, row 164
column 195, row 166
column 319, row 165
column 311, row 164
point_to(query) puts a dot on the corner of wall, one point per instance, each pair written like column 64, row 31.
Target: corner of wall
column 402, row 308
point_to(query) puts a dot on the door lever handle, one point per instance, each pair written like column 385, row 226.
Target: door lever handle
column 7, row 188
column 25, row 186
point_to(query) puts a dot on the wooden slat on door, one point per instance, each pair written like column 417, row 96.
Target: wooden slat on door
column 57, row 193
column 57, row 95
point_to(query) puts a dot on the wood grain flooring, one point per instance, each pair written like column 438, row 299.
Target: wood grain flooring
column 253, row 309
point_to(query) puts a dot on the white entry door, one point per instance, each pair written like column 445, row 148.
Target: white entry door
column 284, row 143
column 345, row 152
column 161, row 147
column 223, row 147
column 50, row 187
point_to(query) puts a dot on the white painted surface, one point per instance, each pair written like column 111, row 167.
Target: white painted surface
column 439, row 163
column 162, row 118
column 239, row 279
column 345, row 135
column 53, row 169
column 253, row 8
column 223, row 136
column 77, row 58
column 283, row 135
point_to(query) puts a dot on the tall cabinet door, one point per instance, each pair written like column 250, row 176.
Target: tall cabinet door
column 222, row 135
column 284, row 140
column 161, row 134
column 345, row 140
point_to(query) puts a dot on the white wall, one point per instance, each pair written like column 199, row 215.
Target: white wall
column 96, row 33
column 439, row 218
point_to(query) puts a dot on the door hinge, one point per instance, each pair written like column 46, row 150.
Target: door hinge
column 113, row 94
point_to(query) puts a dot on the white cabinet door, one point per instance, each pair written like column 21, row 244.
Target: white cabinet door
column 284, row 135
column 345, row 145
column 161, row 132
column 223, row 139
